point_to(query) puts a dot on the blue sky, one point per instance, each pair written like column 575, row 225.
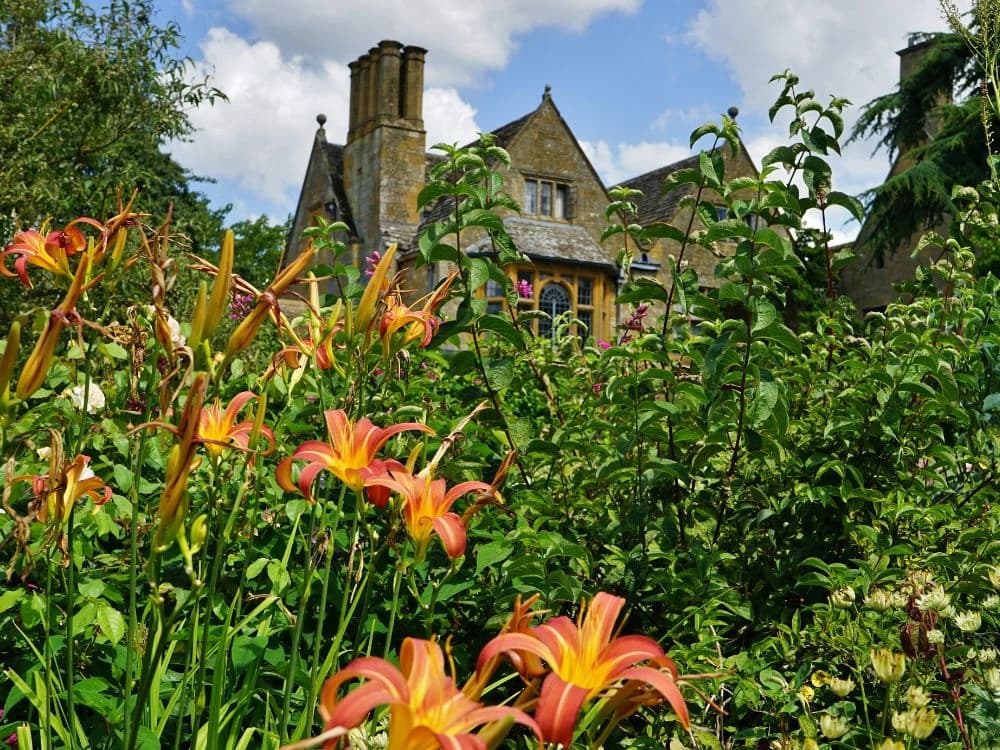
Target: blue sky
column 631, row 77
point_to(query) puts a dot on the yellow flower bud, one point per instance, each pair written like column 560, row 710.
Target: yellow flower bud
column 9, row 357
column 890, row 744
column 220, row 289
column 888, row 666
column 833, row 727
column 198, row 316
column 199, row 531
column 841, row 688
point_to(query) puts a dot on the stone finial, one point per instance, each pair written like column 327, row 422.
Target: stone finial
column 321, row 119
column 548, row 91
column 732, row 112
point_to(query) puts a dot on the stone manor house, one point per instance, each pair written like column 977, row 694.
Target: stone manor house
column 372, row 182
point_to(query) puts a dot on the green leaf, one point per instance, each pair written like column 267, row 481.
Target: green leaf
column 709, row 128
column 727, row 229
column 488, row 555
column 499, row 372
column 254, row 569
column 123, row 479
column 782, row 336
column 246, row 650
column 278, row 575
column 640, row 290
column 111, row 622
column 10, row 598
column 502, row 328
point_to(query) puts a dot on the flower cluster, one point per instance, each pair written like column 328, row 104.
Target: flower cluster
column 576, row 663
column 240, row 306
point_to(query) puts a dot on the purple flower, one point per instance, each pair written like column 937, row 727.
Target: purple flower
column 372, row 261
column 12, row 740
column 603, row 345
column 597, row 387
column 524, row 289
column 634, row 323
column 240, row 306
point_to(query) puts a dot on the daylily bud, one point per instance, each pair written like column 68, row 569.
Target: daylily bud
column 223, row 281
column 37, row 366
column 9, row 358
column 198, row 317
column 246, row 330
column 173, row 501
column 365, row 313
column 199, row 531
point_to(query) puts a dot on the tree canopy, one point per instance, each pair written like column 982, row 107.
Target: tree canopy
column 934, row 122
column 90, row 97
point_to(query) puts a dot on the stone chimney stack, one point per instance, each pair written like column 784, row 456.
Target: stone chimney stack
column 412, row 94
column 384, row 156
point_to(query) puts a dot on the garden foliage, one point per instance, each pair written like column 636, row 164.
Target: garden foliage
column 258, row 531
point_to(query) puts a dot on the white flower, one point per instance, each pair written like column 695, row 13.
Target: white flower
column 833, row 727
column 843, row 598
column 44, row 453
column 917, row 697
column 94, row 397
column 176, row 337
column 991, row 677
column 935, row 600
column 935, row 637
column 968, row 621
column 991, row 602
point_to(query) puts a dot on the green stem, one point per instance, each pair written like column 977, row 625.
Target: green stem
column 297, row 633
column 70, row 655
column 397, row 581
column 48, row 653
column 324, row 593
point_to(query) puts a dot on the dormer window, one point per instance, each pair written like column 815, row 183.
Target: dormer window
column 546, row 198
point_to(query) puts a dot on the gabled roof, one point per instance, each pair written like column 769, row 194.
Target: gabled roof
column 654, row 204
column 549, row 240
column 335, row 158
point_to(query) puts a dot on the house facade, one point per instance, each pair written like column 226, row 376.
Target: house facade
column 372, row 182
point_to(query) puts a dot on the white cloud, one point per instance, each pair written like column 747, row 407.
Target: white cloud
column 626, row 160
column 259, row 141
column 188, row 6
column 843, row 49
column 465, row 37
column 447, row 118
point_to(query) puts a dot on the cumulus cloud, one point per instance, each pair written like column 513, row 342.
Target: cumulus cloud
column 465, row 37
column 843, row 49
column 625, row 160
column 259, row 141
column 447, row 118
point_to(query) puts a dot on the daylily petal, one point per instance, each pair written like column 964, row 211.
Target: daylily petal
column 557, row 709
column 665, row 686
column 449, row 527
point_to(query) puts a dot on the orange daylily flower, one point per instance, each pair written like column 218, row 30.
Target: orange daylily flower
column 427, row 508
column 50, row 251
column 217, row 428
column 426, row 710
column 586, row 661
column 416, row 324
column 348, row 455
column 64, row 486
column 527, row 665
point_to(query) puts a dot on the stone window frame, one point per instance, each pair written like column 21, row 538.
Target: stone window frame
column 559, row 200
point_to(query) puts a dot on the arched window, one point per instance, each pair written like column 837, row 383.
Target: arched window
column 553, row 301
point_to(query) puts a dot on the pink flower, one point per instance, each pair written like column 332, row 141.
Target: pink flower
column 603, row 345
column 372, row 261
column 597, row 387
column 524, row 289
column 240, row 306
